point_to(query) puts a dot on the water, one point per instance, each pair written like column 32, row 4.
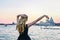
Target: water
column 35, row 32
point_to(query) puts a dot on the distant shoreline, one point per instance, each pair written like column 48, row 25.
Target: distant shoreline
column 8, row 24
column 51, row 28
column 56, row 24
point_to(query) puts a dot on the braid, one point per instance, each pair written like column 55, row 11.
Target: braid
column 20, row 26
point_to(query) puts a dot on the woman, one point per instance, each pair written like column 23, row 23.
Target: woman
column 22, row 27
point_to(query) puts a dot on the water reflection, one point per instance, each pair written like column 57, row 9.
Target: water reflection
column 35, row 32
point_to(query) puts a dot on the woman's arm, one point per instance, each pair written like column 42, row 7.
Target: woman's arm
column 32, row 23
column 18, row 17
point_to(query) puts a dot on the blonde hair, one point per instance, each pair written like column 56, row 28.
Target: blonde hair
column 20, row 25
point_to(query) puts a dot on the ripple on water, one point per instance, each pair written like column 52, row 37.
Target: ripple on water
column 35, row 33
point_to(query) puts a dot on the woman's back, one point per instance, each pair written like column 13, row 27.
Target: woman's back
column 24, row 35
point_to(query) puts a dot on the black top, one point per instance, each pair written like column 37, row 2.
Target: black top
column 24, row 35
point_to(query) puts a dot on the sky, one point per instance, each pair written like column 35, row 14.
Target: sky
column 9, row 9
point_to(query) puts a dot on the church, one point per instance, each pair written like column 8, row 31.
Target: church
column 49, row 22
